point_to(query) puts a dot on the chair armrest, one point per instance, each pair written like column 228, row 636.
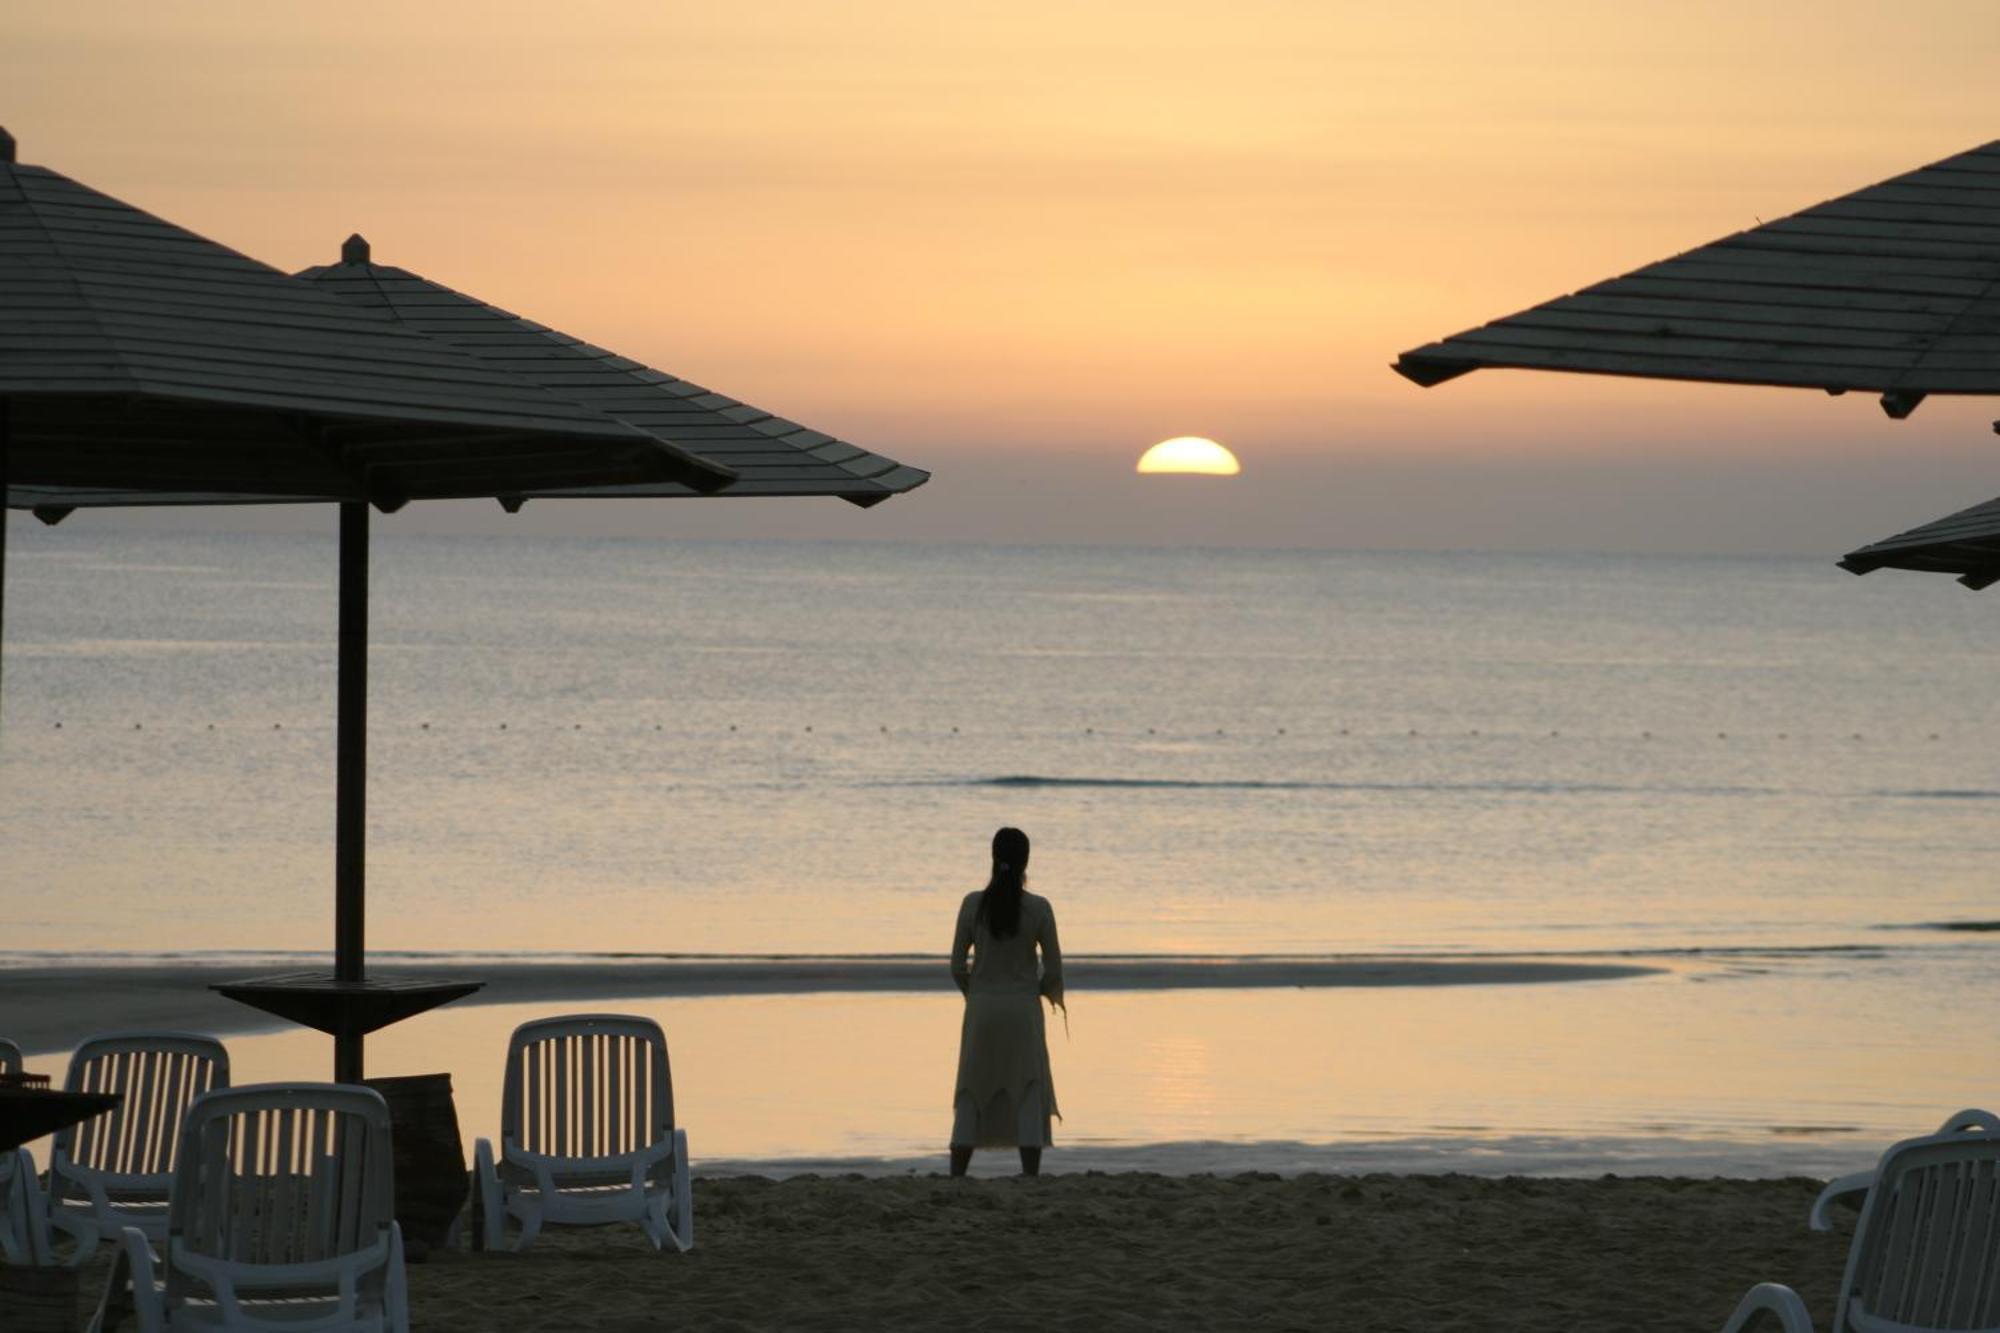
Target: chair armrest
column 1860, row 1182
column 1770, row 1298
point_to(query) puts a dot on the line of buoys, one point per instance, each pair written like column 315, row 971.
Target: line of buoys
column 885, row 730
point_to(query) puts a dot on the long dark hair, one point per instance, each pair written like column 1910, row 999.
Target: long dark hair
column 1000, row 905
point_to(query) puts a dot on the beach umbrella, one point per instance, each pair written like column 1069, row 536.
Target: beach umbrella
column 1891, row 289
column 770, row 456
column 143, row 364
column 1966, row 544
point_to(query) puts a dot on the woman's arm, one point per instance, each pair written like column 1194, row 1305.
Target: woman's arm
column 961, row 946
column 1052, row 976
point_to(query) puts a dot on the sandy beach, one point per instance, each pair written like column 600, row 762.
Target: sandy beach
column 1141, row 1251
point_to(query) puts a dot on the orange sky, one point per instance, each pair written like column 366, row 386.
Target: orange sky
column 1020, row 242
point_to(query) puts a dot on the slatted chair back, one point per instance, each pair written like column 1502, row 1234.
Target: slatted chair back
column 10, row 1057
column 279, row 1174
column 587, row 1086
column 157, row 1075
column 1926, row 1251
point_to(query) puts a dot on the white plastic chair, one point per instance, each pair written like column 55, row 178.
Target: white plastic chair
column 24, row 1235
column 1926, row 1249
column 281, row 1217
column 1972, row 1120
column 114, row 1170
column 587, row 1134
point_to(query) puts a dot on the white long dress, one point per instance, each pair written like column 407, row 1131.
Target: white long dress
column 1005, row 1096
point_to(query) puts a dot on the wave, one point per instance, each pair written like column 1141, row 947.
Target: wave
column 1940, row 794
column 1037, row 780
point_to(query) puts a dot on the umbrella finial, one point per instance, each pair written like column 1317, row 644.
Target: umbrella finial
column 354, row 250
column 6, row 146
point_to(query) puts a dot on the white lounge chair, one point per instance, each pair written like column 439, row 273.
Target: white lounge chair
column 1972, row 1120
column 24, row 1235
column 281, row 1216
column 1926, row 1249
column 114, row 1170
column 587, row 1134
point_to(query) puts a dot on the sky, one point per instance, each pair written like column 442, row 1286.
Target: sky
column 1018, row 243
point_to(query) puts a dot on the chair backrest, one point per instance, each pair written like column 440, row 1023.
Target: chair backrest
column 10, row 1057
column 279, row 1174
column 1926, row 1251
column 587, row 1085
column 158, row 1074
column 1972, row 1120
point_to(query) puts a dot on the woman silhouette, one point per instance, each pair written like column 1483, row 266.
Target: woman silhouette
column 1004, row 1096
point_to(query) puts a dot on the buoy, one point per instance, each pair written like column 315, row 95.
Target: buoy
column 577, row 727
column 808, row 728
column 137, row 727
column 503, row 726
column 426, row 726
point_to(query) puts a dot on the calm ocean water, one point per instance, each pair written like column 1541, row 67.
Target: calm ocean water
column 1769, row 777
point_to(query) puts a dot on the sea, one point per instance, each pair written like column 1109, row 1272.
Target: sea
column 1769, row 787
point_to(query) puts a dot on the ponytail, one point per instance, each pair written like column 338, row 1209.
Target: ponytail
column 1000, row 905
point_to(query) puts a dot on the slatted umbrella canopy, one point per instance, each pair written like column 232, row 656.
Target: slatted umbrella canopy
column 771, row 456
column 1966, row 544
column 1894, row 289
column 143, row 364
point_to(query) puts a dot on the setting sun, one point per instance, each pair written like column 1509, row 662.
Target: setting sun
column 1190, row 453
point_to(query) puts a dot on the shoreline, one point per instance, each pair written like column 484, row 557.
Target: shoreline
column 48, row 1008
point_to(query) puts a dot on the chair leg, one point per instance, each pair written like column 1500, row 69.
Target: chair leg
column 131, row 1289
column 682, row 1229
column 489, row 1214
column 396, row 1293
column 83, row 1230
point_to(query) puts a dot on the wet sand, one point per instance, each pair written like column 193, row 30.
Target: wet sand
column 51, row 1008
column 1138, row 1251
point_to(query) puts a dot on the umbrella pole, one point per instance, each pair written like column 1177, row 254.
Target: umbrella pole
column 6, row 447
column 350, row 875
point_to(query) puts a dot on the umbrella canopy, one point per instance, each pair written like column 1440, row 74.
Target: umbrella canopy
column 143, row 363
column 1966, row 544
column 769, row 455
column 1893, row 289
